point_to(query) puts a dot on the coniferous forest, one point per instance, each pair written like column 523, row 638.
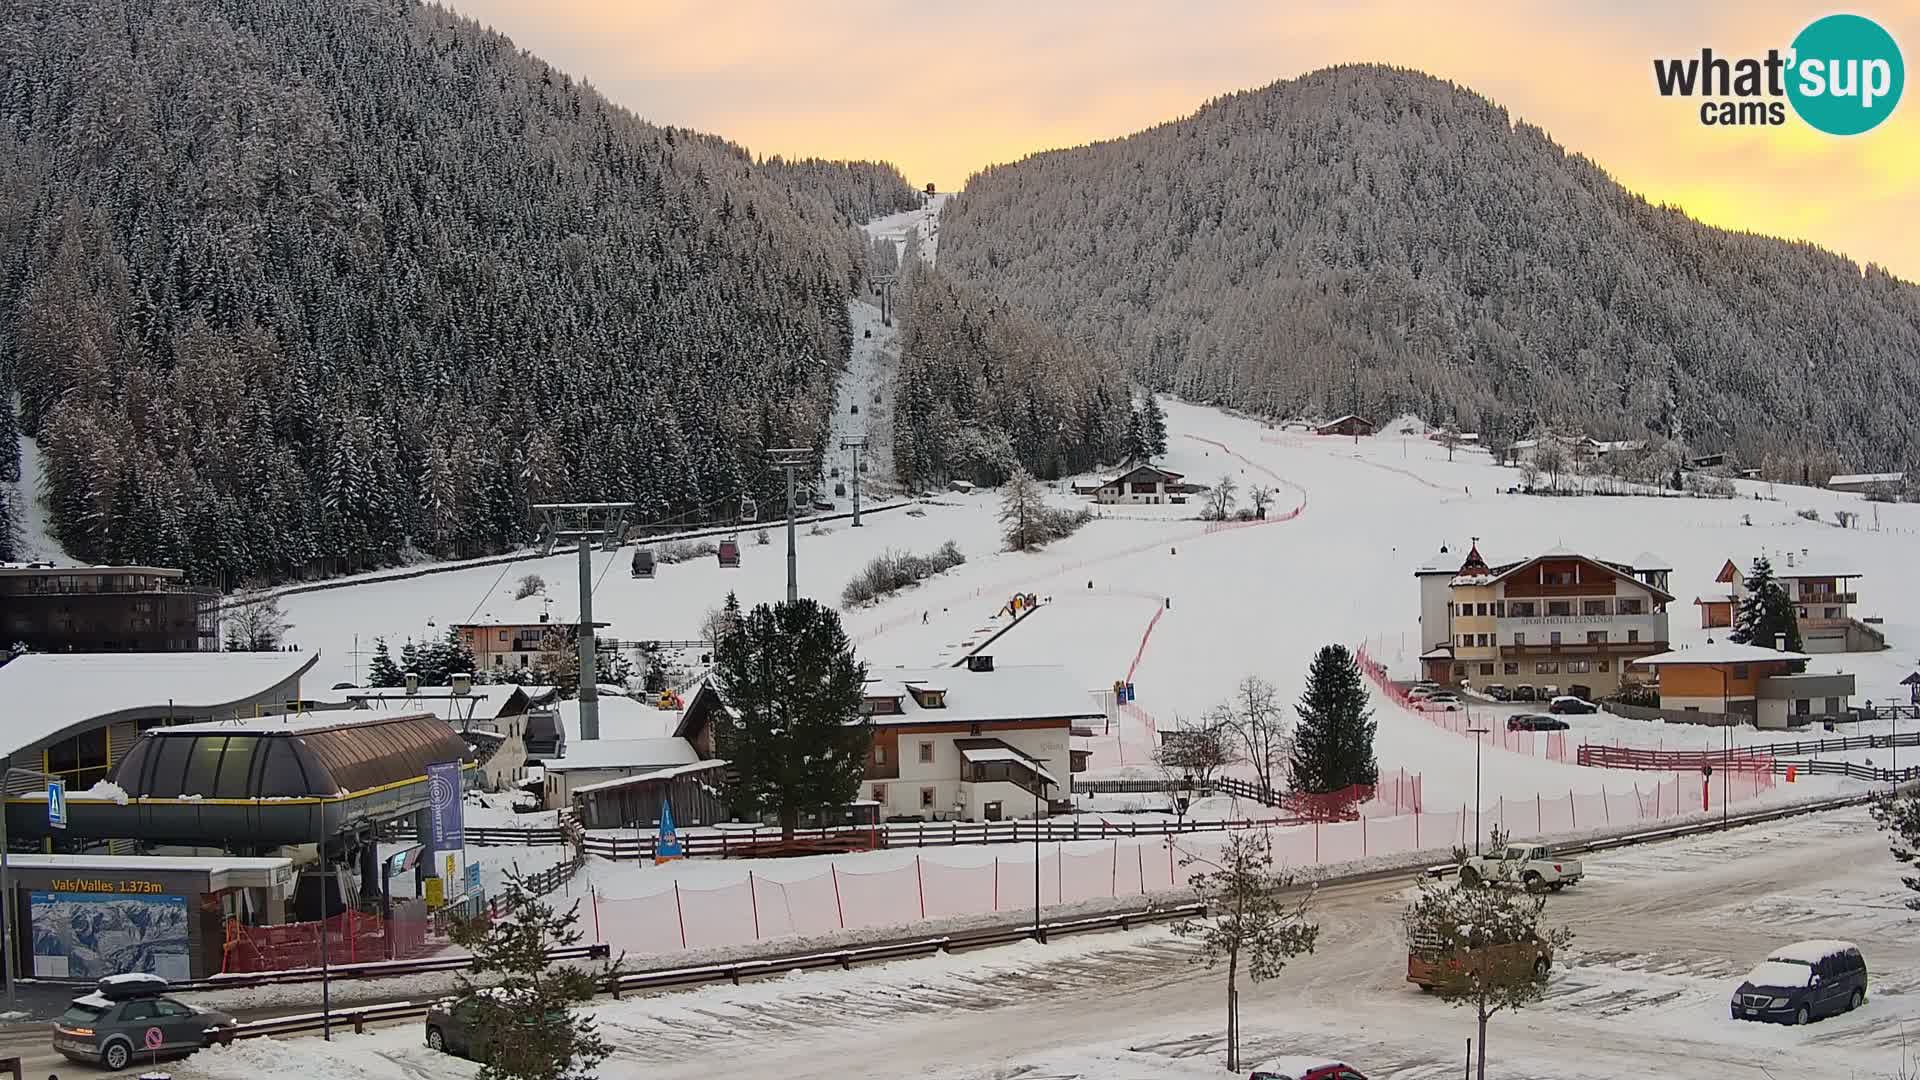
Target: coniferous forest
column 1373, row 240
column 290, row 286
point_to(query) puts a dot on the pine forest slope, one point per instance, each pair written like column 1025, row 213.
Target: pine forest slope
column 291, row 285
column 1377, row 240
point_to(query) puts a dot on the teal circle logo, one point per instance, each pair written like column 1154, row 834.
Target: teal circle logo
column 1846, row 75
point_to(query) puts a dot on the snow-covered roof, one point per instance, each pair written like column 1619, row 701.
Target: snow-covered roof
column 294, row 723
column 483, row 702
column 1292, row 1068
column 1011, row 692
column 1718, row 652
column 1445, row 562
column 620, row 718
column 1867, row 478
column 83, row 863
column 1438, row 652
column 1810, row 952
column 652, row 777
column 1647, row 560
column 49, row 693
column 1127, row 474
column 1813, row 570
column 622, row 754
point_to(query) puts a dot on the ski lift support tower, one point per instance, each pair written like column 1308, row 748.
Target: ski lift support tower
column 789, row 460
column 585, row 523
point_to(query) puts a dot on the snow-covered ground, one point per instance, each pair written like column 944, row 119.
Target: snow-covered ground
column 1662, row 936
column 35, row 530
column 1253, row 600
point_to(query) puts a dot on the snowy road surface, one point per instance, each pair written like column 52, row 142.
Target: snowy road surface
column 1663, row 934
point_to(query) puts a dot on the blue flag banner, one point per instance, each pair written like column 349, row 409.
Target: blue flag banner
column 668, row 845
column 446, row 824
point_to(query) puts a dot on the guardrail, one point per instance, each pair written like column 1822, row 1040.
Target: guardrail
column 1675, row 832
column 666, row 978
column 372, row 969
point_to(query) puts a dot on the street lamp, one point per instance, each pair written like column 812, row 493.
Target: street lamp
column 1039, row 796
column 1476, row 732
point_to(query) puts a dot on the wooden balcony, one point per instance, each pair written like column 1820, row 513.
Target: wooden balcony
column 1584, row 648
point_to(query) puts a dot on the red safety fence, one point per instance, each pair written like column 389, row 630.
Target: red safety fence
column 350, row 938
column 865, row 891
column 1551, row 745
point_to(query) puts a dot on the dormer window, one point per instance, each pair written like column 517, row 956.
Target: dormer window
column 928, row 697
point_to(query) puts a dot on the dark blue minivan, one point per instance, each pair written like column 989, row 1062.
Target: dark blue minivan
column 1803, row 982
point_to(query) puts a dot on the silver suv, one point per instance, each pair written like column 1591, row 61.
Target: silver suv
column 130, row 1015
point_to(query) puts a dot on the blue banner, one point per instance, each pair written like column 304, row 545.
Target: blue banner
column 668, row 845
column 446, row 825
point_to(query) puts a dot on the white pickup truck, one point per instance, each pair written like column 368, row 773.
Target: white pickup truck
column 1531, row 865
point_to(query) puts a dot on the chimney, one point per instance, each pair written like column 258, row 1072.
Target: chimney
column 1779, row 643
column 413, row 683
column 979, row 662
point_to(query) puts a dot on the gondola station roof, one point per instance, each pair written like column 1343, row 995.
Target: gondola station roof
column 260, row 782
column 313, row 755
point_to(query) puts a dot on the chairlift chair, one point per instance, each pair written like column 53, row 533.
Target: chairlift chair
column 643, row 563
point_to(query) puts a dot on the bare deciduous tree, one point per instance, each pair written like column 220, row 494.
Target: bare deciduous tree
column 1450, row 438
column 1190, row 755
column 1260, row 725
column 1220, row 499
column 256, row 626
column 1253, row 912
column 1261, row 497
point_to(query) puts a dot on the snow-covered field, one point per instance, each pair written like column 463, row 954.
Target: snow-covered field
column 1254, row 600
column 1663, row 934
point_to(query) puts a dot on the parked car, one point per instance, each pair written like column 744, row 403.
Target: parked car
column 1445, row 701
column 1428, row 966
column 1525, row 692
column 109, row 1026
column 1498, row 692
column 1533, row 721
column 1532, row 865
column 454, row 1027
column 1802, row 982
column 1304, row 1068
column 1572, row 706
column 1423, row 691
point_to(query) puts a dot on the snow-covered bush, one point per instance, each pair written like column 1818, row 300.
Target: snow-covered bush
column 678, row 551
column 891, row 571
column 530, row 585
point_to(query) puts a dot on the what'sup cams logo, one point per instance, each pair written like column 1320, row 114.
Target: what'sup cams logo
column 1843, row 75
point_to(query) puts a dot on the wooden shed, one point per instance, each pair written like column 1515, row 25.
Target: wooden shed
column 634, row 801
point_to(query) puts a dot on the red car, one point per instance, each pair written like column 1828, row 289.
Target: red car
column 1305, row 1068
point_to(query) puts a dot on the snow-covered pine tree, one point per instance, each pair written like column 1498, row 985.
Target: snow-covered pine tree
column 383, row 671
column 1767, row 614
column 1155, row 422
column 793, row 731
column 1333, row 743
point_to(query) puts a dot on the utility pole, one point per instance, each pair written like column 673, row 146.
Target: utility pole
column 789, row 460
column 885, row 283
column 855, row 445
column 586, row 523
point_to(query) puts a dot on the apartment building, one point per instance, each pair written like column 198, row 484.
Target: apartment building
column 500, row 647
column 1558, row 619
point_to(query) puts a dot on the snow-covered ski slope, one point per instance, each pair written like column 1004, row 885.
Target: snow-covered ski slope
column 1248, row 600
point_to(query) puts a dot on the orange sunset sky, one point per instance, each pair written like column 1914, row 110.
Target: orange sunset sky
column 944, row 89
